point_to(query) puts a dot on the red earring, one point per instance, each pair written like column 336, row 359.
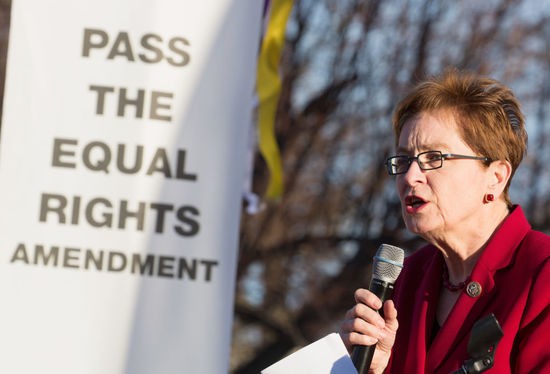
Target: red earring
column 489, row 197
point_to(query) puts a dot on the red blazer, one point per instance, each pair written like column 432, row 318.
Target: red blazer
column 514, row 273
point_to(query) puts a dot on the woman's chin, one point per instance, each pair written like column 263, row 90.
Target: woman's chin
column 418, row 227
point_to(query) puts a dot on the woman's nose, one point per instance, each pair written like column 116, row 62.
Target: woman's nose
column 414, row 174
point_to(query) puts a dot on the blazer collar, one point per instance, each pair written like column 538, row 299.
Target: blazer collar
column 498, row 254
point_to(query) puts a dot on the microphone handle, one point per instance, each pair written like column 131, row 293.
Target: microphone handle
column 362, row 355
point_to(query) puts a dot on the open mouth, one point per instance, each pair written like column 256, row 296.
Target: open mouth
column 414, row 201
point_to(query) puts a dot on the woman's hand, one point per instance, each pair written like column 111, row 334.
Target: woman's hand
column 363, row 325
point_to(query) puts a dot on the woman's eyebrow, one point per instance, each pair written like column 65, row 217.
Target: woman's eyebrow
column 401, row 150
column 427, row 147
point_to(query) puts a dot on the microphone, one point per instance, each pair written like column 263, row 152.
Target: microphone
column 387, row 264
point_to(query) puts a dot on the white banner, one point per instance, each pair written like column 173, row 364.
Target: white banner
column 123, row 147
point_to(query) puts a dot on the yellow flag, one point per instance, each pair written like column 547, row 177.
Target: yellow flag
column 268, row 88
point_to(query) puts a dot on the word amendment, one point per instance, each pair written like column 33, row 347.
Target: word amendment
column 101, row 260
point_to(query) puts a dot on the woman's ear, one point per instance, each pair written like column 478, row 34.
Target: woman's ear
column 500, row 172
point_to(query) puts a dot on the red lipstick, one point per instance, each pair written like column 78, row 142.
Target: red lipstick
column 414, row 204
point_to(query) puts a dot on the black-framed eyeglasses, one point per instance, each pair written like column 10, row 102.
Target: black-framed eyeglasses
column 428, row 160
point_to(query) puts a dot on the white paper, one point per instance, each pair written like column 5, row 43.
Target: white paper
column 326, row 355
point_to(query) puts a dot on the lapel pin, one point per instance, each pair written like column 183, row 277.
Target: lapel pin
column 473, row 289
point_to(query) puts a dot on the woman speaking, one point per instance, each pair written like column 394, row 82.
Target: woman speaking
column 459, row 140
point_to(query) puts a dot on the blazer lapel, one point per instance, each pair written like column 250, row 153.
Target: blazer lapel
column 455, row 332
column 459, row 323
column 426, row 298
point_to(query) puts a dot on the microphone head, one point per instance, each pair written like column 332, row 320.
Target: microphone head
column 387, row 263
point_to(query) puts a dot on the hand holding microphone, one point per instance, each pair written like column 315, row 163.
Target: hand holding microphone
column 372, row 322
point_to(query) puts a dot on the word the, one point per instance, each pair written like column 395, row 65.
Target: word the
column 154, row 100
column 100, row 212
column 162, row 266
column 152, row 48
column 98, row 156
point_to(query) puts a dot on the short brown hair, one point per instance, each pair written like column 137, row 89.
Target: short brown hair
column 487, row 113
